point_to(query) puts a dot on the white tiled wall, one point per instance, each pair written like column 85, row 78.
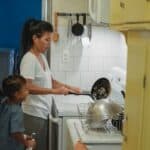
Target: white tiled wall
column 107, row 49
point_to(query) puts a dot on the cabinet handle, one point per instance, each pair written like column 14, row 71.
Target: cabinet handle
column 122, row 4
column 125, row 128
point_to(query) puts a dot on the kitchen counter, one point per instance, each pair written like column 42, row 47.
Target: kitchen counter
column 72, row 136
column 102, row 142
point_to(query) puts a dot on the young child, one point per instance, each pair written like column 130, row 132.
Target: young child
column 12, row 135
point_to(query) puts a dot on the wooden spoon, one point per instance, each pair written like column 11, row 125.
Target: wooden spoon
column 55, row 33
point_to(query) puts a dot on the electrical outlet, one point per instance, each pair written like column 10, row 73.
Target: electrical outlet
column 66, row 56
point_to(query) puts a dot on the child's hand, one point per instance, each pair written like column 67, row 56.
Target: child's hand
column 30, row 143
column 27, row 137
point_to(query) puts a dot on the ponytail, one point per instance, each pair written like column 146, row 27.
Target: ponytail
column 26, row 40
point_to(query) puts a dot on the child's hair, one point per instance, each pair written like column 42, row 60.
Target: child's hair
column 12, row 84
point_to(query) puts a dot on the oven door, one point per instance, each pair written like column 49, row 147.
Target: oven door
column 55, row 133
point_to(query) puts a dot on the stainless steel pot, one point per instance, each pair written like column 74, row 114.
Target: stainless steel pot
column 101, row 111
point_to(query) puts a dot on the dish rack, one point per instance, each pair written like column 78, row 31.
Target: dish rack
column 84, row 117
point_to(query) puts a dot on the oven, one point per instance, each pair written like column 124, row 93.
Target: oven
column 63, row 108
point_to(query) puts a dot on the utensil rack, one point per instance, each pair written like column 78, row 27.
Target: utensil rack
column 71, row 14
column 64, row 14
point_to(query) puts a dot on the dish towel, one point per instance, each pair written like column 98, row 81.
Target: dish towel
column 80, row 146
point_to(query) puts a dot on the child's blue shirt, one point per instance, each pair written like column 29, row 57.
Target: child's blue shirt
column 11, row 121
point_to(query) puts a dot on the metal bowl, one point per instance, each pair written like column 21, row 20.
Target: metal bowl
column 101, row 111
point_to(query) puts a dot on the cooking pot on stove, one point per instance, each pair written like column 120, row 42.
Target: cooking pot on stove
column 101, row 111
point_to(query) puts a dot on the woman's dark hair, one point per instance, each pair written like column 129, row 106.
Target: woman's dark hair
column 12, row 84
column 33, row 27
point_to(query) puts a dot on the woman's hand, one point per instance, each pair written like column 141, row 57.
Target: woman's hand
column 74, row 90
column 56, row 84
column 61, row 90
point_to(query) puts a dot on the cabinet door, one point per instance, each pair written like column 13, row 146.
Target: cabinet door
column 147, row 11
column 129, row 11
column 137, row 11
column 146, row 111
column 134, row 91
column 117, row 12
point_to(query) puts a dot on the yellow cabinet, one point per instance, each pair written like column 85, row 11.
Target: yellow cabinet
column 117, row 12
column 145, row 143
column 137, row 11
column 129, row 11
column 137, row 111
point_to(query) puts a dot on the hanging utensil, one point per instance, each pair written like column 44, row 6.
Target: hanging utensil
column 85, row 37
column 77, row 28
column 90, row 31
column 69, row 34
column 89, row 26
column 55, row 33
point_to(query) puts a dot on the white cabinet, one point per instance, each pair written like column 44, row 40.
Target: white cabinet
column 107, row 11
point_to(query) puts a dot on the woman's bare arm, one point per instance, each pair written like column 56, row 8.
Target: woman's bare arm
column 35, row 89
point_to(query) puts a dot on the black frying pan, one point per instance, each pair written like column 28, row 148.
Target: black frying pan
column 100, row 89
column 77, row 28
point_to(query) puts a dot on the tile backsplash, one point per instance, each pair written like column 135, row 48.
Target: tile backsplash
column 84, row 65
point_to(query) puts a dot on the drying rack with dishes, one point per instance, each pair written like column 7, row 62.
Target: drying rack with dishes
column 102, row 115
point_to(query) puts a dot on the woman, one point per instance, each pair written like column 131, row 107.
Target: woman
column 36, row 37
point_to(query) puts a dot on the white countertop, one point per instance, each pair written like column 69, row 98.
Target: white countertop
column 101, row 138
